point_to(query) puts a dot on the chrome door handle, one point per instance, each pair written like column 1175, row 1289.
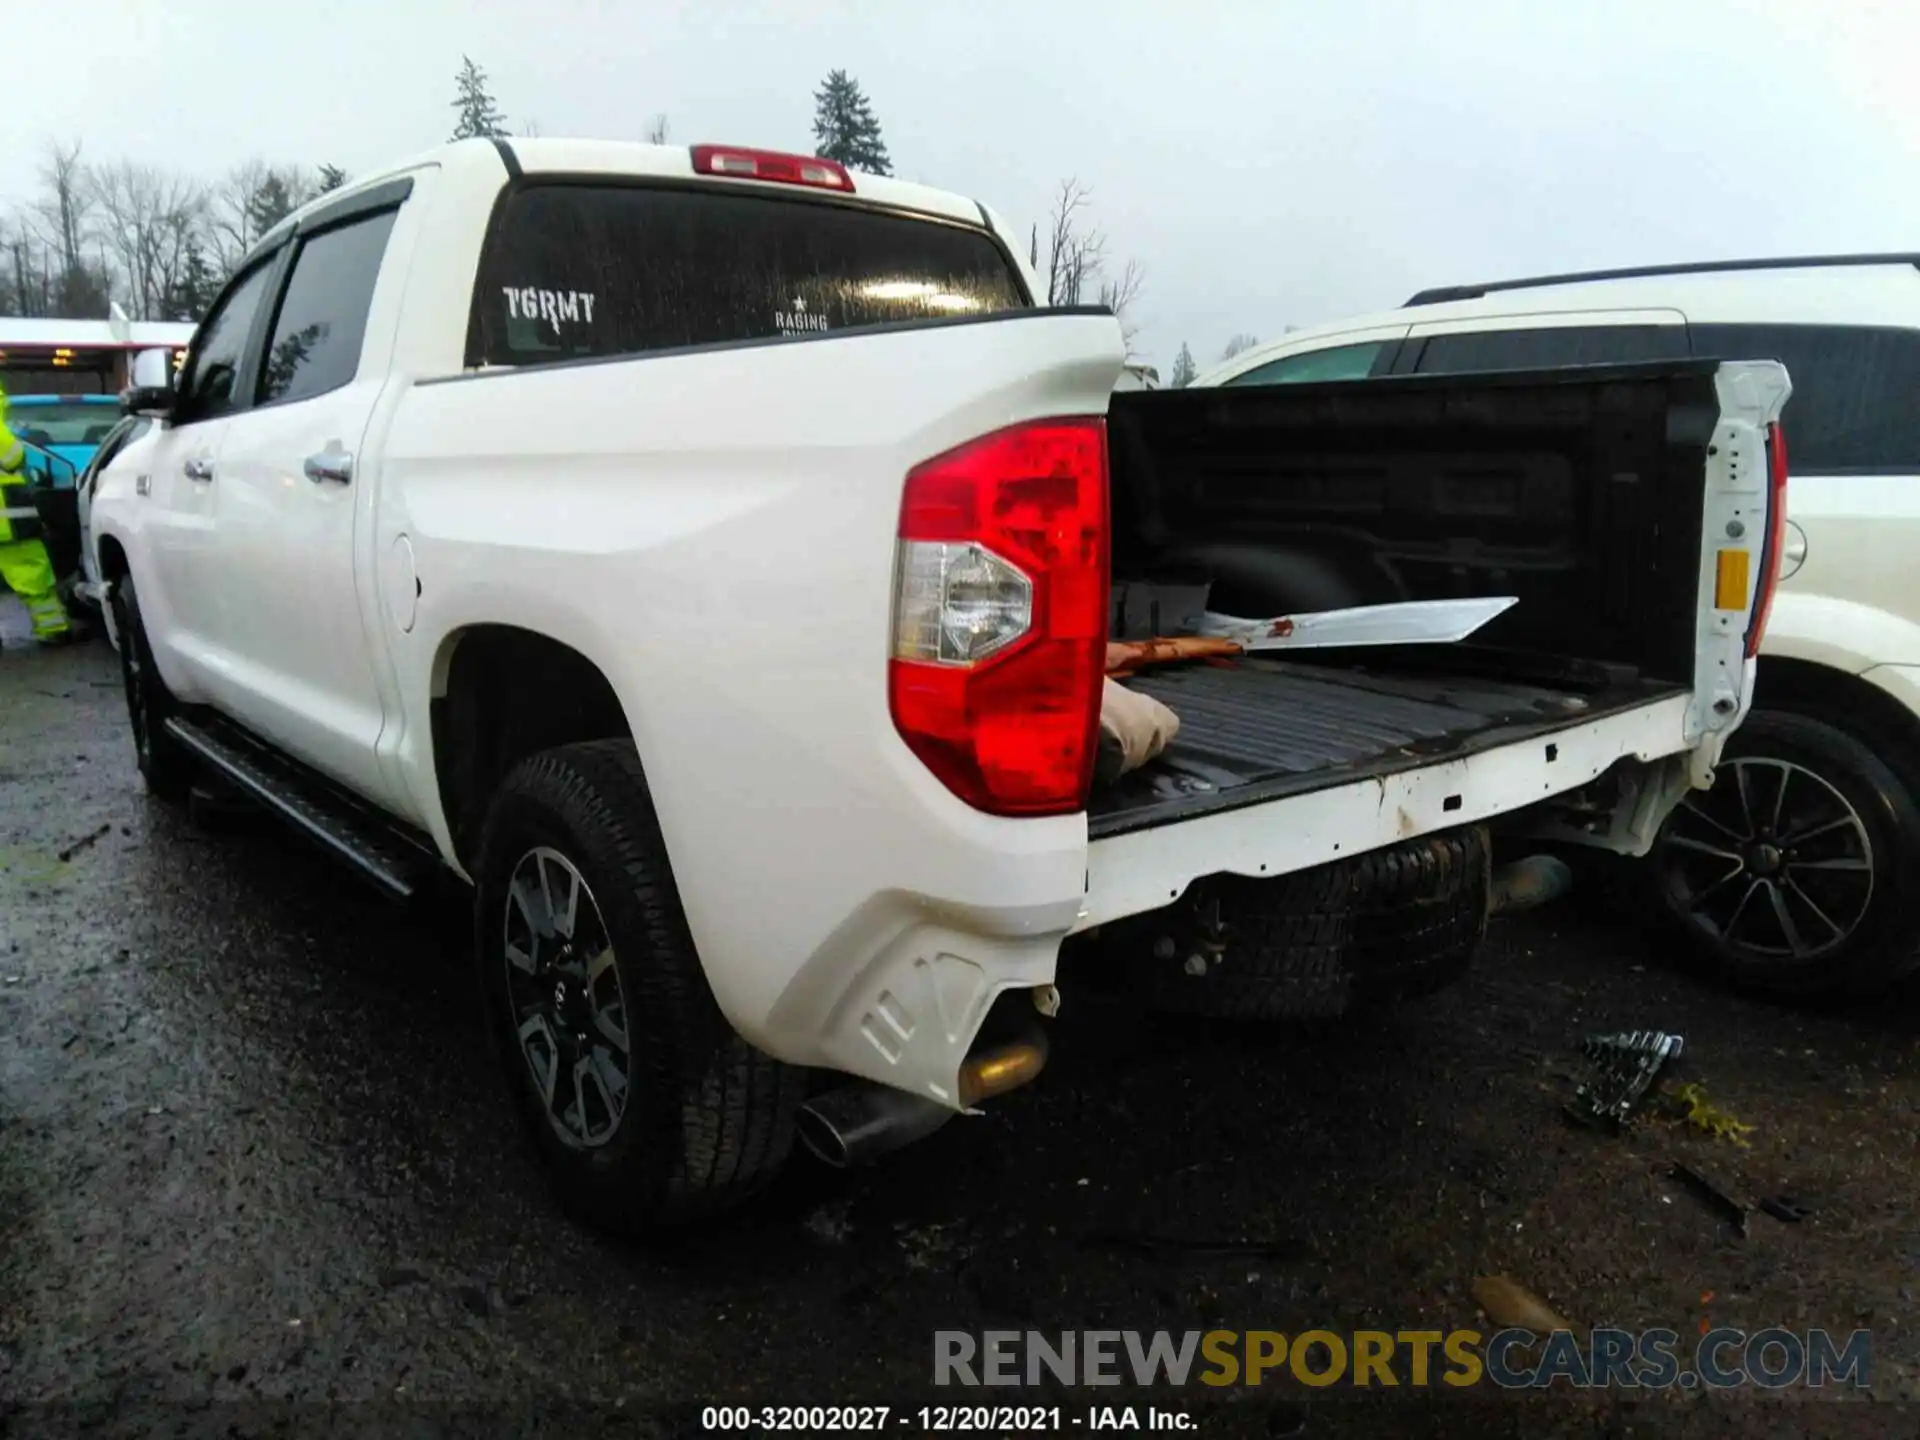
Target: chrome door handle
column 333, row 463
column 201, row 470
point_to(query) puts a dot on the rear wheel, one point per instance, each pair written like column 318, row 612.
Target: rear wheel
column 165, row 764
column 1785, row 875
column 645, row 1105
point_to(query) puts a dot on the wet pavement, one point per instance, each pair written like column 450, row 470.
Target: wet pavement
column 253, row 1153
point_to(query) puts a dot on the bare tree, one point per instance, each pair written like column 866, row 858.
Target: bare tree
column 230, row 229
column 1239, row 344
column 148, row 219
column 64, row 210
column 656, row 131
column 249, row 201
column 529, row 129
column 1073, row 260
column 1074, row 249
column 1118, row 295
column 26, row 275
column 62, row 220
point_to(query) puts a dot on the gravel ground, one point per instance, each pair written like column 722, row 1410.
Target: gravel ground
column 256, row 1172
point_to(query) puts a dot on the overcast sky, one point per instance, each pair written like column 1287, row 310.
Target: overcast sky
column 1269, row 162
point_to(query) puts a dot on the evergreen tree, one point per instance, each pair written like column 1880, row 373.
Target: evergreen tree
column 194, row 288
column 1184, row 370
column 844, row 127
column 270, row 203
column 332, row 177
column 474, row 104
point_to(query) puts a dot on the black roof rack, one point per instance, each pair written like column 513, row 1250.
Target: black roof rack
column 1443, row 293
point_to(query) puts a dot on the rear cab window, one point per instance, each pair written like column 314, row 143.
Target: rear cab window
column 594, row 269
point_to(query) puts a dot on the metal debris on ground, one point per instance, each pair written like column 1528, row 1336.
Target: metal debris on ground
column 84, row 842
column 1624, row 1067
column 1716, row 1195
column 1689, row 1104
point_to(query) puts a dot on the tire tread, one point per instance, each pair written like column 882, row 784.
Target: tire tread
column 723, row 1126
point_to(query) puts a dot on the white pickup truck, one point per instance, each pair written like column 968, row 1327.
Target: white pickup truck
column 709, row 555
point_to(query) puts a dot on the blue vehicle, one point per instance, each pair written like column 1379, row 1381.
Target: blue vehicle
column 67, row 427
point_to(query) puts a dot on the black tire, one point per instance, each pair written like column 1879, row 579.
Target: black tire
column 165, row 764
column 1235, row 948
column 1392, row 924
column 1847, row 838
column 704, row 1119
column 1420, row 913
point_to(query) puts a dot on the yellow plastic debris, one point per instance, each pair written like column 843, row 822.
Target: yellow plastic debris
column 1691, row 1105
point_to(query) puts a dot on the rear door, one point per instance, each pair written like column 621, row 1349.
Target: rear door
column 298, row 663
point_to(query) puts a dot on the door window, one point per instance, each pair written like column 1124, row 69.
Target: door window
column 210, row 380
column 315, row 345
column 1343, row 362
column 1856, row 391
column 1548, row 348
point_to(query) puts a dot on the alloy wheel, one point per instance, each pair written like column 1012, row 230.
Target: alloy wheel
column 563, row 989
column 1773, row 863
column 136, row 680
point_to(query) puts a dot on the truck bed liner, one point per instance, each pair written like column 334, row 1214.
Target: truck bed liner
column 1255, row 730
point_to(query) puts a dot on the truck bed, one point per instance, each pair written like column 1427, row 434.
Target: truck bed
column 1259, row 729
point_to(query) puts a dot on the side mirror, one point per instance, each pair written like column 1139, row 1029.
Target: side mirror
column 151, row 389
column 152, row 401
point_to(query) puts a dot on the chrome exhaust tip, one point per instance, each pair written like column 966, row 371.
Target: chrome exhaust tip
column 863, row 1121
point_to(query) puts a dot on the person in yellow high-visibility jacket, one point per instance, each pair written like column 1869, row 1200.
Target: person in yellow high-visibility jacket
column 24, row 564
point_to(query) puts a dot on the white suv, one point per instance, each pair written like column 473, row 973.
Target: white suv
column 1788, row 872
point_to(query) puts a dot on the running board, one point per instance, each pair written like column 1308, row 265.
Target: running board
column 394, row 864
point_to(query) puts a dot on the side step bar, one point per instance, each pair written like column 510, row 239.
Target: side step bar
column 393, row 863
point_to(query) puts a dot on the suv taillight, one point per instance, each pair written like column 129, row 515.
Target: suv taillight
column 1000, row 616
column 1770, row 560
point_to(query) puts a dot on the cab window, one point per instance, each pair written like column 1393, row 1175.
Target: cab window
column 1343, row 362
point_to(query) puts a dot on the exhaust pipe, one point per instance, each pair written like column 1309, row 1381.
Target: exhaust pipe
column 863, row 1121
column 1526, row 883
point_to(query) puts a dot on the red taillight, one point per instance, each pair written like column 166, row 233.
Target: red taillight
column 1000, row 616
column 771, row 165
column 1770, row 561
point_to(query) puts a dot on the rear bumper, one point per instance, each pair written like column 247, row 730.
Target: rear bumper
column 1145, row 869
column 898, row 993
